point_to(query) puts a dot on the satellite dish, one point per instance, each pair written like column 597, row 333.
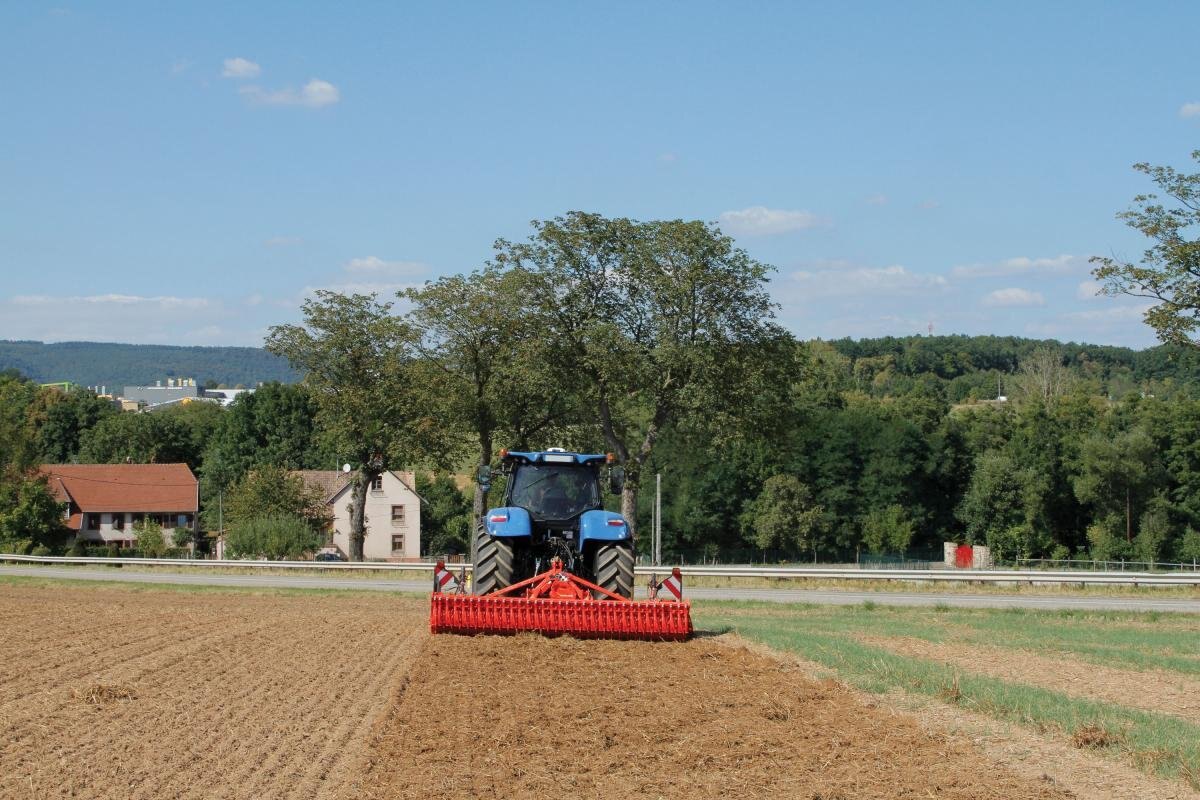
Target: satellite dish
column 346, row 468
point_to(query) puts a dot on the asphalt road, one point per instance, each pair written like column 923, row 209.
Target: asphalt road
column 819, row 596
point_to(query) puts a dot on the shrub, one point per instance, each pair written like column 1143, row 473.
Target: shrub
column 151, row 542
column 42, row 550
column 78, row 548
column 271, row 537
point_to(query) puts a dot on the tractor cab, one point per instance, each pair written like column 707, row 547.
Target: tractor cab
column 554, row 491
column 553, row 508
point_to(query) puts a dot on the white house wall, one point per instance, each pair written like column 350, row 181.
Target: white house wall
column 380, row 530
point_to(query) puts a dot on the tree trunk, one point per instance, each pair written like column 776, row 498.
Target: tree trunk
column 1128, row 514
column 358, row 514
column 485, row 458
column 629, row 501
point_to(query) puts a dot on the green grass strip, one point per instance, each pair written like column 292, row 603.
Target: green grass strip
column 1157, row 743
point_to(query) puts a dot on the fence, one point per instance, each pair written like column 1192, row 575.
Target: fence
column 852, row 573
column 1094, row 565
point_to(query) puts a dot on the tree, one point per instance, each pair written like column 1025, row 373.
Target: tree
column 1043, row 376
column 994, row 502
column 661, row 321
column 30, row 516
column 1169, row 271
column 63, row 419
column 446, row 515
column 887, row 529
column 275, row 424
column 152, row 438
column 1116, row 474
column 783, row 516
column 271, row 491
column 151, row 542
column 481, row 333
column 374, row 397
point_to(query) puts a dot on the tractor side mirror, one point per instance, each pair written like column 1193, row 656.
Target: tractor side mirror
column 484, row 477
column 616, row 480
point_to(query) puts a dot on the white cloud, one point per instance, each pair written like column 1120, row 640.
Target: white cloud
column 1089, row 290
column 240, row 68
column 1021, row 266
column 865, row 282
column 1014, row 298
column 763, row 221
column 315, row 94
column 1189, row 110
column 162, row 301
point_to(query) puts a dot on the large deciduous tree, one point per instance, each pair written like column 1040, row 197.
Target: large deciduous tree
column 498, row 366
column 375, row 400
column 1169, row 271
column 661, row 321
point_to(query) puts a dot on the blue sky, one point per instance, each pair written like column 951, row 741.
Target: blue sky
column 187, row 174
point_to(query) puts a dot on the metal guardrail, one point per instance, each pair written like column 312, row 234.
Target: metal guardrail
column 836, row 573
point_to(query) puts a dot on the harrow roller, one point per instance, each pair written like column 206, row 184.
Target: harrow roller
column 555, row 603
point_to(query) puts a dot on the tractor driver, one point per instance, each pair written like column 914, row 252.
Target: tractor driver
column 550, row 494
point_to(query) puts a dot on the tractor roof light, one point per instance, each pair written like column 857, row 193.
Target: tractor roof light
column 609, row 458
column 504, row 452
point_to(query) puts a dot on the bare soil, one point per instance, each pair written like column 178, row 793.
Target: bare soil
column 111, row 693
column 1054, row 760
column 1152, row 690
column 528, row 717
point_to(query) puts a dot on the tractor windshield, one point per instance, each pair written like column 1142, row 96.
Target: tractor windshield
column 554, row 491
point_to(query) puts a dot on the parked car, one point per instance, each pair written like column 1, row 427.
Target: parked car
column 329, row 557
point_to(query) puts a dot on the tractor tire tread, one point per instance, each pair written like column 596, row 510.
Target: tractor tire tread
column 493, row 563
column 614, row 569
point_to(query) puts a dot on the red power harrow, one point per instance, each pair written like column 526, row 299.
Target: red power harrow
column 556, row 602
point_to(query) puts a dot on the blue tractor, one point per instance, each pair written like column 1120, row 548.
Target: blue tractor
column 553, row 508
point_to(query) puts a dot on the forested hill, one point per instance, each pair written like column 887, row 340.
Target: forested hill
column 970, row 366
column 120, row 365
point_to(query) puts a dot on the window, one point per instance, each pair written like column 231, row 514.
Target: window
column 183, row 520
column 92, row 522
column 118, row 522
column 398, row 516
column 377, row 483
column 397, row 542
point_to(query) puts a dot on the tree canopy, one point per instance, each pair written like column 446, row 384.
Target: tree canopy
column 1169, row 271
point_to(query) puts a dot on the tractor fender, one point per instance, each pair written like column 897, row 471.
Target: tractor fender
column 601, row 526
column 508, row 521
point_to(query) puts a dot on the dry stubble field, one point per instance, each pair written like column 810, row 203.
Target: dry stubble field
column 114, row 692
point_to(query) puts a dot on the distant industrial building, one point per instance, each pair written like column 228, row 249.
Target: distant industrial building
column 176, row 389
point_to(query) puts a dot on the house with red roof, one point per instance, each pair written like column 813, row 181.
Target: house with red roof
column 104, row 500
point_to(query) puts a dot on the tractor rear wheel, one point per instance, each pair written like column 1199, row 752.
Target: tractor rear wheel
column 612, row 567
column 493, row 562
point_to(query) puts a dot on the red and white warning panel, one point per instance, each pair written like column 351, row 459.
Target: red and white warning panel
column 444, row 581
column 673, row 583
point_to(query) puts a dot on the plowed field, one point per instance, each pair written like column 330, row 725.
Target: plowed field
column 528, row 717
column 113, row 693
